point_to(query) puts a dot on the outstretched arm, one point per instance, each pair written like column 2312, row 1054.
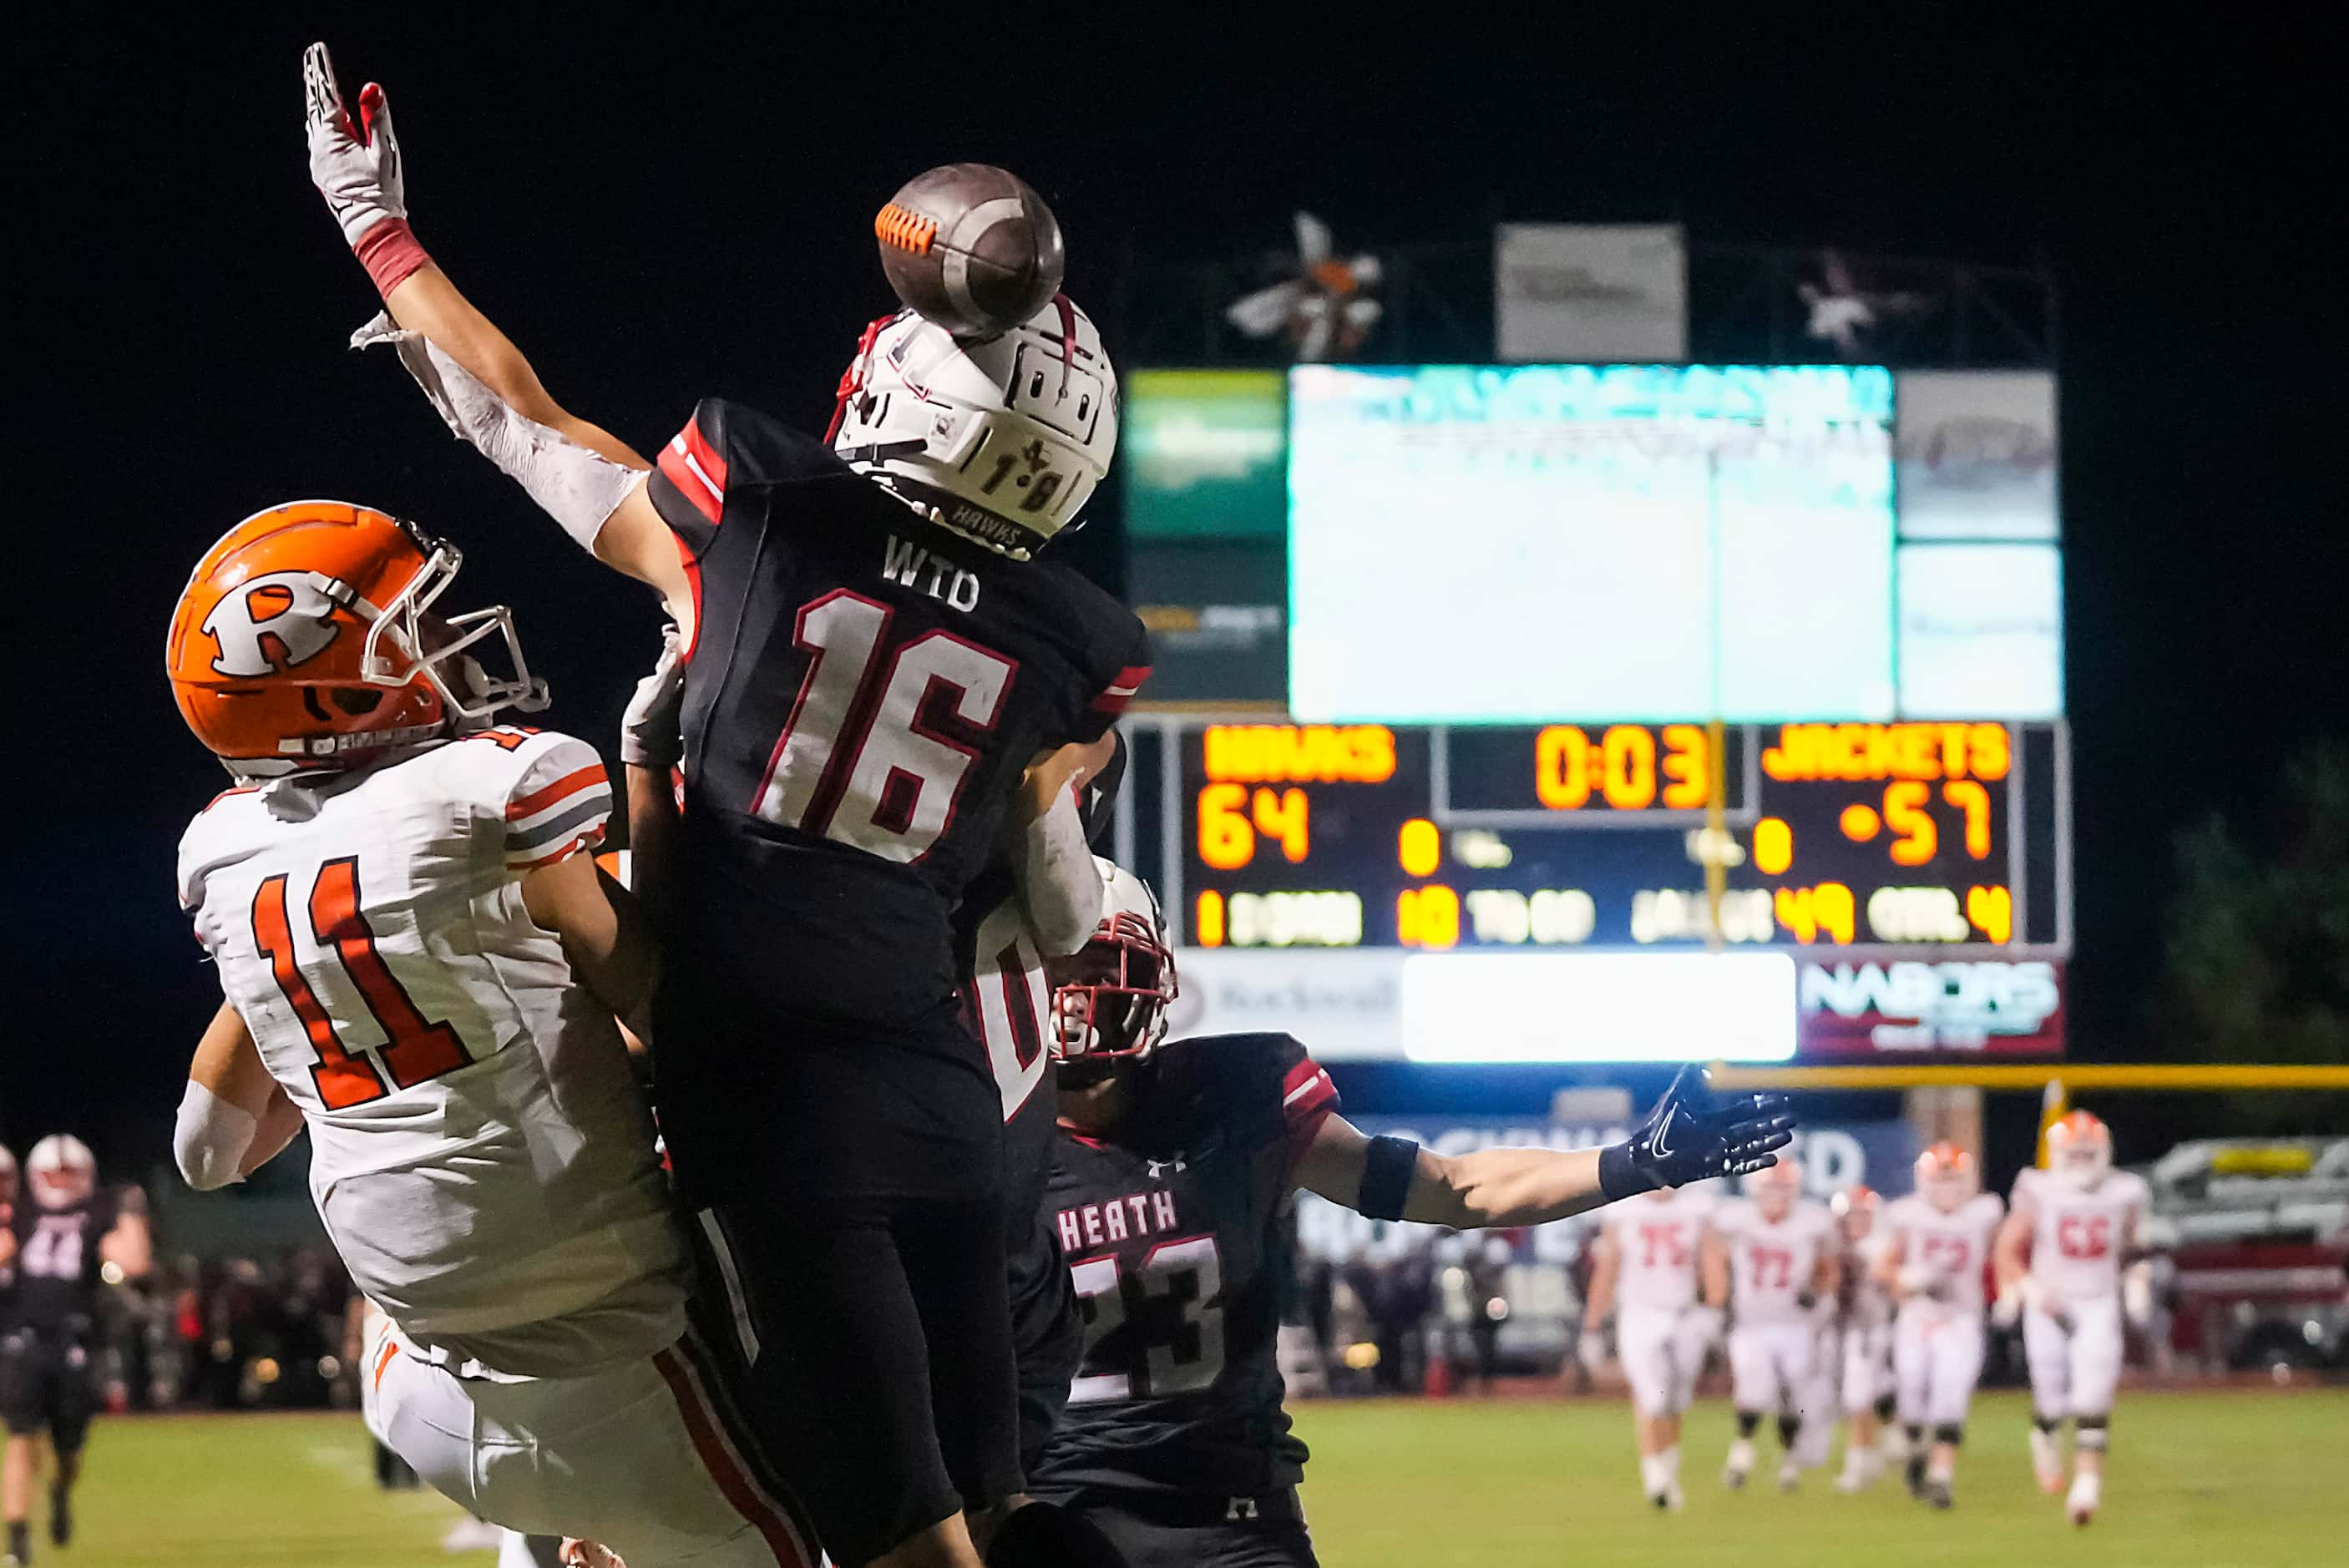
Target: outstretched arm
column 1686, row 1137
column 588, row 479
column 1466, row 1192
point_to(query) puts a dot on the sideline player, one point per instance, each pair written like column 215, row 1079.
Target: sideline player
column 1771, row 1254
column 2080, row 1221
column 1645, row 1271
column 1865, row 1376
column 1170, row 1192
column 57, row 1245
column 871, row 662
column 1937, row 1250
column 422, row 968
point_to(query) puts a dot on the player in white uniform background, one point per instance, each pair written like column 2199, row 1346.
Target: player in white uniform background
column 1864, row 1376
column 1937, row 1252
column 2077, row 1224
column 1771, row 1254
column 421, row 967
column 1645, row 1272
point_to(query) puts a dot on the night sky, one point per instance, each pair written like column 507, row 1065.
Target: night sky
column 659, row 212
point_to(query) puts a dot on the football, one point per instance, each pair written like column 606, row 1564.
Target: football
column 971, row 247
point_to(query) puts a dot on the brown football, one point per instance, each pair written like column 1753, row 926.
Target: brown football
column 971, row 247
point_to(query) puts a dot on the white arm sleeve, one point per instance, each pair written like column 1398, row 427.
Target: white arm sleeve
column 580, row 489
column 1060, row 885
column 211, row 1138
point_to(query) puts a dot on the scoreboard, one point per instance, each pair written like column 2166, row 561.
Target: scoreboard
column 1948, row 838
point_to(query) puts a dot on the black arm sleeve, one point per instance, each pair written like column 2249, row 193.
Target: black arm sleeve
column 1387, row 1169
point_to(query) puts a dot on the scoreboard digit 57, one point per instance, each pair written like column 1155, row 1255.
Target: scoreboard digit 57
column 1951, row 835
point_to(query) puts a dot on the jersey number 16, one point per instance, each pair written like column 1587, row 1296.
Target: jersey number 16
column 858, row 761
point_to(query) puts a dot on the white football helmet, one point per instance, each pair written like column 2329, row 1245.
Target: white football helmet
column 1109, row 996
column 1947, row 1177
column 1004, row 438
column 2079, row 1149
column 62, row 1170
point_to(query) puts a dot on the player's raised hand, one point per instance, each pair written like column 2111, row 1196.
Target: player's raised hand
column 649, row 736
column 355, row 166
column 1691, row 1135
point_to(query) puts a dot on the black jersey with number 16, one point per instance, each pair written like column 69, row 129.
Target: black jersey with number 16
column 1178, row 1242
column 863, row 691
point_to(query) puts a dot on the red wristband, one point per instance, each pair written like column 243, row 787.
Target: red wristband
column 389, row 252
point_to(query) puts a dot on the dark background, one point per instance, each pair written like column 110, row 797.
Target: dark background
column 678, row 204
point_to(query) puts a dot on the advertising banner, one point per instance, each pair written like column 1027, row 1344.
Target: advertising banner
column 1980, row 1007
column 1590, row 292
column 1977, row 454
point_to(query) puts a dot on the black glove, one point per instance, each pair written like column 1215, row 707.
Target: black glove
column 1691, row 1137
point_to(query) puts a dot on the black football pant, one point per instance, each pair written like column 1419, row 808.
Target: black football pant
column 850, row 1201
column 1266, row 1531
column 46, row 1386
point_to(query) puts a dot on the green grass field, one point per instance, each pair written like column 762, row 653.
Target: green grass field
column 2203, row 1478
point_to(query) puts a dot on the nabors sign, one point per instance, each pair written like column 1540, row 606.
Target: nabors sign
column 1988, row 1007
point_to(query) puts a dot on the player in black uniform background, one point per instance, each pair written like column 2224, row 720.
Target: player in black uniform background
column 56, row 1243
column 1170, row 1191
column 871, row 664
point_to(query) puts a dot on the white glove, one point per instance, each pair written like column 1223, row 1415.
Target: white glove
column 2007, row 1310
column 355, row 170
column 1919, row 1280
column 1590, row 1349
column 650, row 736
column 1706, row 1320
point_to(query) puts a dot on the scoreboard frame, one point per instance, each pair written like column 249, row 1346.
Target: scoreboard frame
column 1743, row 787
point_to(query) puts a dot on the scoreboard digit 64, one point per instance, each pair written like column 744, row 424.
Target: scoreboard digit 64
column 1948, row 835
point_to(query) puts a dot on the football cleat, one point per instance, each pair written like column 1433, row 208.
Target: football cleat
column 60, row 1516
column 2046, row 1461
column 2080, row 1506
column 1916, row 1472
column 1939, row 1494
column 1790, row 1474
column 1740, row 1465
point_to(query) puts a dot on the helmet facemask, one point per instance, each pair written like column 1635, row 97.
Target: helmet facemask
column 1109, row 1000
column 440, row 646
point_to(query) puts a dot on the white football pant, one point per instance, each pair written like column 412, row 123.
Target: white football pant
column 1662, row 1351
column 1771, row 1363
column 1867, row 1367
column 640, row 1457
column 2074, row 1371
column 1937, row 1358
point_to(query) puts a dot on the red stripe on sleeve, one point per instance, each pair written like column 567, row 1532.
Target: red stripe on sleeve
column 538, row 800
column 700, row 494
column 705, row 457
column 1120, row 690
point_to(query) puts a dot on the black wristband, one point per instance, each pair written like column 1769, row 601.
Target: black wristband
column 1387, row 1168
column 1617, row 1177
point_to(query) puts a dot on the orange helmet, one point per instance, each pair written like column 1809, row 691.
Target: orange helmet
column 1947, row 1176
column 2080, row 1148
column 303, row 640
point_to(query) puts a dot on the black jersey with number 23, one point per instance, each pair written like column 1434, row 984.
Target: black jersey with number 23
column 1176, row 1236
column 863, row 691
